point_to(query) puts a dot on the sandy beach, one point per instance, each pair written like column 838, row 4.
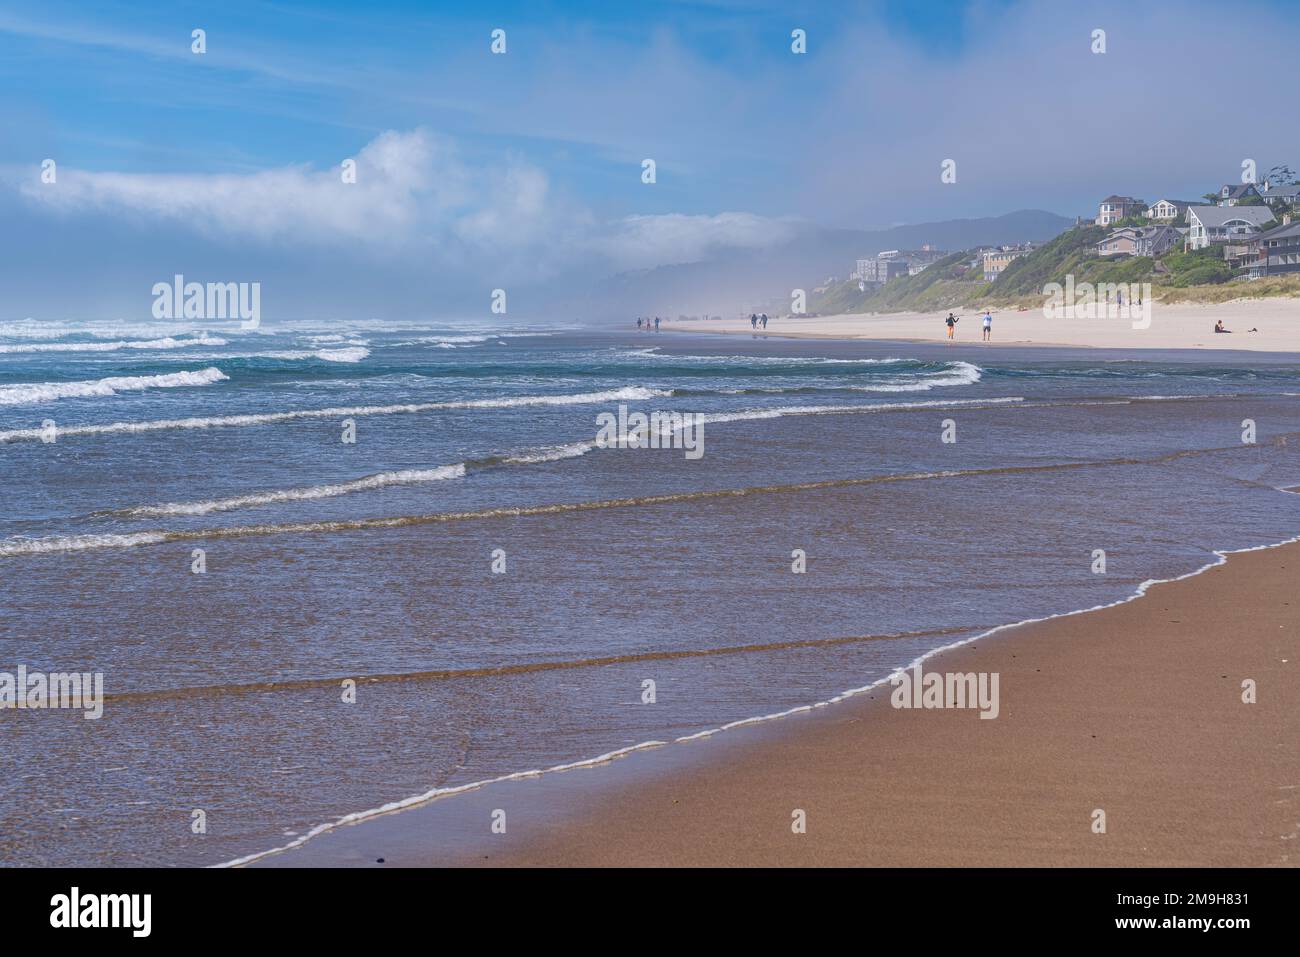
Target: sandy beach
column 1173, row 326
column 1136, row 710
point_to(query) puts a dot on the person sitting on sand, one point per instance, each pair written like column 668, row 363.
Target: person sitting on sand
column 952, row 324
column 1218, row 327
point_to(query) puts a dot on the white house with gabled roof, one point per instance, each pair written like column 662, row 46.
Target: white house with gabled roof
column 1224, row 224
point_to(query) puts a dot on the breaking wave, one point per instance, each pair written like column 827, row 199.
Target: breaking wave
column 28, row 393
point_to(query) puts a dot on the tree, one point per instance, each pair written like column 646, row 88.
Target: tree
column 1281, row 176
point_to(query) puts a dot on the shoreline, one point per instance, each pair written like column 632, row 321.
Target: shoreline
column 1171, row 326
column 636, row 815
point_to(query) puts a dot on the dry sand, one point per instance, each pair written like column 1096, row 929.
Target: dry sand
column 1136, row 710
column 1178, row 326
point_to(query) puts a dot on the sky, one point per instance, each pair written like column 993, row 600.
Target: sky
column 524, row 170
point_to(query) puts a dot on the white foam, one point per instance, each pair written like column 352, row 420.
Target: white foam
column 27, row 393
column 253, row 499
column 349, row 354
column 45, row 329
column 627, row 394
column 652, row 352
column 75, row 543
column 961, row 373
column 167, row 342
column 782, row 411
column 552, row 454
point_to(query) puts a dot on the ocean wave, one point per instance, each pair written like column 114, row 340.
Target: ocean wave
column 652, row 352
column 59, row 329
column 347, row 354
column 308, row 493
column 76, row 543
column 959, row 373
column 14, row 547
column 553, row 453
column 626, row 394
column 350, row 340
column 167, row 342
column 35, row 392
column 367, row 483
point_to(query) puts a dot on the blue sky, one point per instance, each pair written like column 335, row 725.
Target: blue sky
column 525, row 168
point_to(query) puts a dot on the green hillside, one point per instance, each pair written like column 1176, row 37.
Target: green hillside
column 951, row 283
column 948, row 282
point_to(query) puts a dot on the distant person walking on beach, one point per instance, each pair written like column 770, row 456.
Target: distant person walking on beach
column 753, row 320
column 951, row 322
column 988, row 326
column 763, row 319
column 656, row 323
column 638, row 322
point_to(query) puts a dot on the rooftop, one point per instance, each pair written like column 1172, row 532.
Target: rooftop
column 1214, row 216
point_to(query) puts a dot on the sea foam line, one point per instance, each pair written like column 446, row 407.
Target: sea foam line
column 167, row 342
column 365, row 484
column 357, row 817
column 13, row 547
column 629, row 394
column 34, row 392
column 353, row 353
column 415, row 476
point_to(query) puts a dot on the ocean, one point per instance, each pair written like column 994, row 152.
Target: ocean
column 325, row 567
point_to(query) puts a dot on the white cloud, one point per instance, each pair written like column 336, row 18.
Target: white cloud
column 414, row 196
column 410, row 186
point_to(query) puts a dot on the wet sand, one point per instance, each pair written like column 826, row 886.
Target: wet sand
column 1135, row 710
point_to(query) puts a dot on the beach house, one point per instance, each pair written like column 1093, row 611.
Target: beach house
column 1280, row 195
column 1277, row 251
column 996, row 260
column 1233, row 194
column 1170, row 210
column 1140, row 241
column 1114, row 208
column 1224, row 224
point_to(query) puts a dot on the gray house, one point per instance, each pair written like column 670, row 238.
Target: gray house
column 1278, row 251
column 1278, row 195
column 1140, row 241
column 1224, row 224
column 1231, row 194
